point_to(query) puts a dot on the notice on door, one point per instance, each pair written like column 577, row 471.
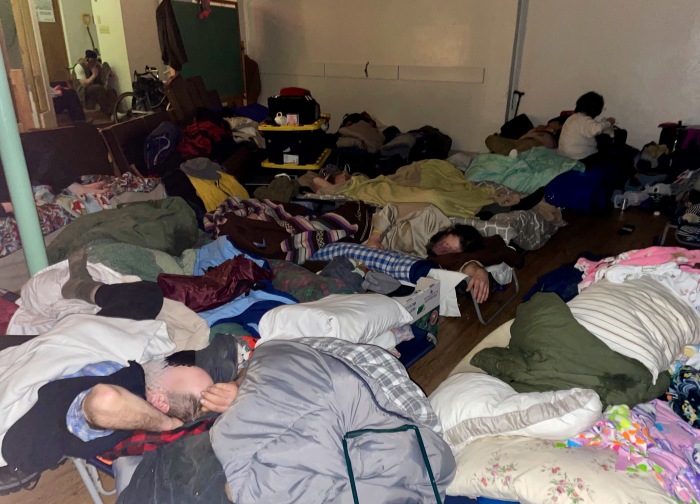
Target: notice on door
column 44, row 11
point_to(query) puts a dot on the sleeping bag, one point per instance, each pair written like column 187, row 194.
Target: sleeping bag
column 282, row 439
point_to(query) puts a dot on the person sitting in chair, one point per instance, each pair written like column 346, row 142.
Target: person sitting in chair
column 92, row 79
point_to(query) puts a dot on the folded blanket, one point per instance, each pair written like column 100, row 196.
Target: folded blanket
column 304, row 285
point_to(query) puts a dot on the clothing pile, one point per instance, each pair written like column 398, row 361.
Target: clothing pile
column 364, row 145
column 629, row 334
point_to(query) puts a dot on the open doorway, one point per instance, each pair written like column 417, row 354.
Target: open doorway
column 79, row 80
column 23, row 55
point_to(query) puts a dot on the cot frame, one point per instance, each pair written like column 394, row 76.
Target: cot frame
column 503, row 305
column 91, row 479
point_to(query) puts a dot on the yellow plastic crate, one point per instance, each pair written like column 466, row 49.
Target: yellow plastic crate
column 325, row 118
column 308, row 167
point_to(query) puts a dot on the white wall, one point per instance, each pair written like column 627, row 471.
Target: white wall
column 74, row 30
column 110, row 33
column 141, row 34
column 641, row 55
column 295, row 36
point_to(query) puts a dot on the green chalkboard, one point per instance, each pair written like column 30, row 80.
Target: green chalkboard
column 213, row 47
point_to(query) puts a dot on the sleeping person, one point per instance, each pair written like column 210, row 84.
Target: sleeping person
column 423, row 230
column 428, row 181
column 86, row 413
column 544, row 135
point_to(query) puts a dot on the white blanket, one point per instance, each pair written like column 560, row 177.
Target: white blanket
column 74, row 342
column 42, row 306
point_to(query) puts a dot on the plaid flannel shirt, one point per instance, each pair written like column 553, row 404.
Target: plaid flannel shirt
column 402, row 267
column 386, row 370
column 142, row 441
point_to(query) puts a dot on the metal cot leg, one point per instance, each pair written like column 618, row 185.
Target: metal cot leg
column 91, row 480
column 500, row 308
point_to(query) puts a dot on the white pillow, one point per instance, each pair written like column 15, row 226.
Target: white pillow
column 360, row 318
column 475, row 405
column 536, row 471
column 640, row 319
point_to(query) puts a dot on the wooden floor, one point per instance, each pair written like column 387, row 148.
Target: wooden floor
column 457, row 336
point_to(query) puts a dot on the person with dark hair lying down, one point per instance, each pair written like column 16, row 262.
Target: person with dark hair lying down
column 423, row 230
column 111, row 400
column 544, row 135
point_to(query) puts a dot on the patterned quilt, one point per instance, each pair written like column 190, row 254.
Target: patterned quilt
column 57, row 210
column 528, row 229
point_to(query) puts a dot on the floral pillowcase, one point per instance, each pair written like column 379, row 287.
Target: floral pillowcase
column 531, row 470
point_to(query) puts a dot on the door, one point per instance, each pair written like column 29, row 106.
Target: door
column 54, row 42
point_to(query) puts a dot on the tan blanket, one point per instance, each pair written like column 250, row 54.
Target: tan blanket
column 430, row 181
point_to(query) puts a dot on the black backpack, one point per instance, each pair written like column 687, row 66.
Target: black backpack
column 516, row 127
column 431, row 143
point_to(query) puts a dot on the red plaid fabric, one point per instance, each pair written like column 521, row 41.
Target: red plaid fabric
column 143, row 441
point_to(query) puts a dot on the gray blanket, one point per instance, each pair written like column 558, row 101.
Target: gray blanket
column 281, row 441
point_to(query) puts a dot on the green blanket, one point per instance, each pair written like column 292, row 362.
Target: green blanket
column 143, row 262
column 167, row 225
column 526, row 173
column 550, row 350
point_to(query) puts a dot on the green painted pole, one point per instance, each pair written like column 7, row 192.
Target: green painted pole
column 17, row 177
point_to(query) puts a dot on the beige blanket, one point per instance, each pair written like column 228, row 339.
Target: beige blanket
column 430, row 181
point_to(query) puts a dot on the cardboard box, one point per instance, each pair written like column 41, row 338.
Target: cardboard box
column 425, row 299
column 424, row 307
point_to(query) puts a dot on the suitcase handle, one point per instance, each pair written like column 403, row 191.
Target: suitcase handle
column 403, row 428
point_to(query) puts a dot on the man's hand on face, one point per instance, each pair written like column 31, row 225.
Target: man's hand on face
column 218, row 397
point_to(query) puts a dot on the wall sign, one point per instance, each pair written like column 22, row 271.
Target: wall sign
column 44, row 11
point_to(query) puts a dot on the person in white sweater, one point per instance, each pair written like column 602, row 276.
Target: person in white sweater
column 578, row 135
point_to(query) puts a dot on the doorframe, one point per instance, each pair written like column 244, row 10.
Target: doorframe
column 516, row 59
column 35, row 72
